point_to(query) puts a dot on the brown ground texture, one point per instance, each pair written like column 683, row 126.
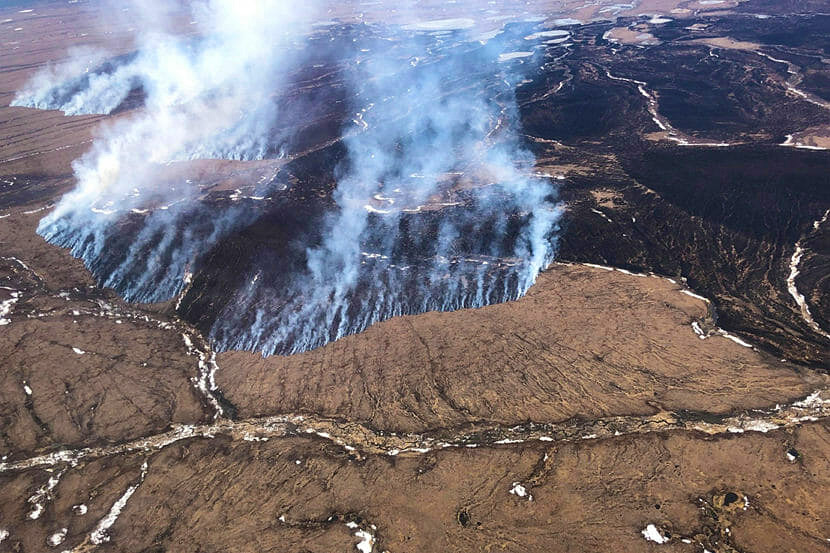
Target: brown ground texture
column 584, row 342
column 568, row 421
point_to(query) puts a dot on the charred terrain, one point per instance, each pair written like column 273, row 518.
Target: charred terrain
column 620, row 342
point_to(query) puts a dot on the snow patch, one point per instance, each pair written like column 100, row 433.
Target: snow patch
column 601, row 214
column 514, row 55
column 206, row 381
column 100, row 535
column 567, row 21
column 760, row 426
column 692, row 294
column 547, row 34
column 57, row 538
column 735, row 339
column 7, row 306
column 440, row 25
column 43, row 494
column 520, row 491
column 813, row 401
column 367, row 539
column 795, row 261
column 652, row 533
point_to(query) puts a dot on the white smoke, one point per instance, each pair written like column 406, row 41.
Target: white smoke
column 209, row 96
column 434, row 161
column 432, row 132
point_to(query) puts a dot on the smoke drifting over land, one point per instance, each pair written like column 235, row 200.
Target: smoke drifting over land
column 435, row 206
column 203, row 98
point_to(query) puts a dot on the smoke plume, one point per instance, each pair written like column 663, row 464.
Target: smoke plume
column 436, row 205
column 205, row 97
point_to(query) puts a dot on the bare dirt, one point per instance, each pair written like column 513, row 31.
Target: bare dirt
column 584, row 342
column 569, row 420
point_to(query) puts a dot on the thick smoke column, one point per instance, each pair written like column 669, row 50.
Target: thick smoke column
column 436, row 205
column 206, row 97
column 437, row 208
